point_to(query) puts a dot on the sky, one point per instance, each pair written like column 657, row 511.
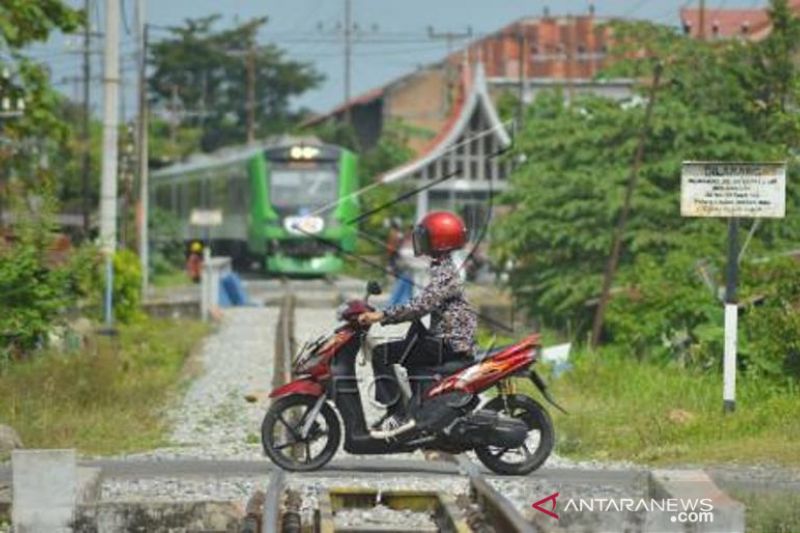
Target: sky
column 392, row 37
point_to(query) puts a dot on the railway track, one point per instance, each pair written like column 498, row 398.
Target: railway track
column 361, row 502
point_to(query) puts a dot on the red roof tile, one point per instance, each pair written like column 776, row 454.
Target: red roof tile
column 749, row 23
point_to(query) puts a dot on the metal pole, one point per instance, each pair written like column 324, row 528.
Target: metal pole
column 347, row 53
column 108, row 186
column 731, row 318
column 144, row 195
column 251, row 91
column 616, row 246
column 86, row 164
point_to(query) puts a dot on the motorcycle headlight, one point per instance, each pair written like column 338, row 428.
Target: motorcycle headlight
column 340, row 311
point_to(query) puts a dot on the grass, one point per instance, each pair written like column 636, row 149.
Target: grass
column 773, row 512
column 107, row 399
column 621, row 409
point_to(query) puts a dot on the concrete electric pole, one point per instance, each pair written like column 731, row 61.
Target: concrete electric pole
column 86, row 161
column 143, row 148
column 108, row 185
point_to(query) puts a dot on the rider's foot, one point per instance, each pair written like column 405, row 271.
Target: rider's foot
column 389, row 420
column 391, row 427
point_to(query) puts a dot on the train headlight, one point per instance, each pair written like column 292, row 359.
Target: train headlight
column 304, row 225
column 303, row 152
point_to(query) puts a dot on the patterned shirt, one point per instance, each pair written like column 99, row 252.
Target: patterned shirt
column 452, row 318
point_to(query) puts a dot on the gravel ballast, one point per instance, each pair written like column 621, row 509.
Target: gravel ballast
column 213, row 420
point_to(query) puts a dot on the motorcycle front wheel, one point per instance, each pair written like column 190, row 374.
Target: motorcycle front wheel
column 538, row 443
column 281, row 434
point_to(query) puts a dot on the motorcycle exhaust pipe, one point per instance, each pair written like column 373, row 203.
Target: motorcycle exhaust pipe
column 542, row 386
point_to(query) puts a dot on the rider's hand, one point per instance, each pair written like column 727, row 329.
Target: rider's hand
column 365, row 319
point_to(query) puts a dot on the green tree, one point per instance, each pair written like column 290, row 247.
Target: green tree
column 28, row 137
column 723, row 100
column 200, row 73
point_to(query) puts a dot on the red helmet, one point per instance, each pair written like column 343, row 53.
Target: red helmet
column 439, row 232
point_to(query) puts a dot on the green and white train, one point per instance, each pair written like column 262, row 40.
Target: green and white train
column 289, row 206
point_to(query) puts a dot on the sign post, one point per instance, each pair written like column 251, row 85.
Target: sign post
column 732, row 190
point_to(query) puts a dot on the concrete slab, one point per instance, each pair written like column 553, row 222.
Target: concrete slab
column 44, row 490
column 89, row 484
column 693, row 503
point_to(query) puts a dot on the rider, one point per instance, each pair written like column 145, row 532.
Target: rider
column 451, row 335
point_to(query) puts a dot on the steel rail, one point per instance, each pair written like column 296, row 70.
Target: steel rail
column 499, row 511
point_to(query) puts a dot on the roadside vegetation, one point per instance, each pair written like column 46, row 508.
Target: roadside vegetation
column 770, row 512
column 652, row 392
column 621, row 409
column 108, row 397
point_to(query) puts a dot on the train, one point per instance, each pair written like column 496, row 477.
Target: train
column 285, row 207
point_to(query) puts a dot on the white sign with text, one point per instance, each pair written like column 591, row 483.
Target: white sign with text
column 722, row 189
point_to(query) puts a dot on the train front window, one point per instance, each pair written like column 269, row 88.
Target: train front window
column 297, row 188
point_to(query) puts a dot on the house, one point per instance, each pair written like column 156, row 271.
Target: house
column 525, row 57
column 448, row 109
column 750, row 24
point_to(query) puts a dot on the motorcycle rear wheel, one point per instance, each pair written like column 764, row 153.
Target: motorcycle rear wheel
column 280, row 434
column 537, row 419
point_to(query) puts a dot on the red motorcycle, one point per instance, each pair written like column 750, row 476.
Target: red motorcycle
column 511, row 433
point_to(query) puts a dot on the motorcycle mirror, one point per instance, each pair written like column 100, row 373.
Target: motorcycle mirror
column 373, row 287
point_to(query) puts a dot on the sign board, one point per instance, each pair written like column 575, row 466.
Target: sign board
column 725, row 189
column 206, row 217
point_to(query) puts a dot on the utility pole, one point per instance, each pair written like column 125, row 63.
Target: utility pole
column 348, row 50
column 143, row 150
column 108, row 186
column 616, row 246
column 522, row 47
column 86, row 156
column 450, row 38
column 251, row 91
column 702, row 33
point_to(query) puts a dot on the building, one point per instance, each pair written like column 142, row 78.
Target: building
column 749, row 24
column 448, row 109
column 462, row 167
column 524, row 57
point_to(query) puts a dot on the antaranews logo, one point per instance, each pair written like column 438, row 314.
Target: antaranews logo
column 690, row 510
column 552, row 500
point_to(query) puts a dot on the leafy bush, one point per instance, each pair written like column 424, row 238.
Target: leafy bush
column 664, row 309
column 666, row 312
column 772, row 323
column 127, row 286
column 32, row 296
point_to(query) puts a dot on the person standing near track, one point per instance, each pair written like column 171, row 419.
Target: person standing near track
column 194, row 261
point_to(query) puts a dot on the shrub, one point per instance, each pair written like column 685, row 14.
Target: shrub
column 665, row 311
column 32, row 296
column 127, row 286
column 772, row 323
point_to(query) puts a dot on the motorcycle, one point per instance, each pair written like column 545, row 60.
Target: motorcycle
column 511, row 433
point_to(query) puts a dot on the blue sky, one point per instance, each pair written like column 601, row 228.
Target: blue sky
column 393, row 37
